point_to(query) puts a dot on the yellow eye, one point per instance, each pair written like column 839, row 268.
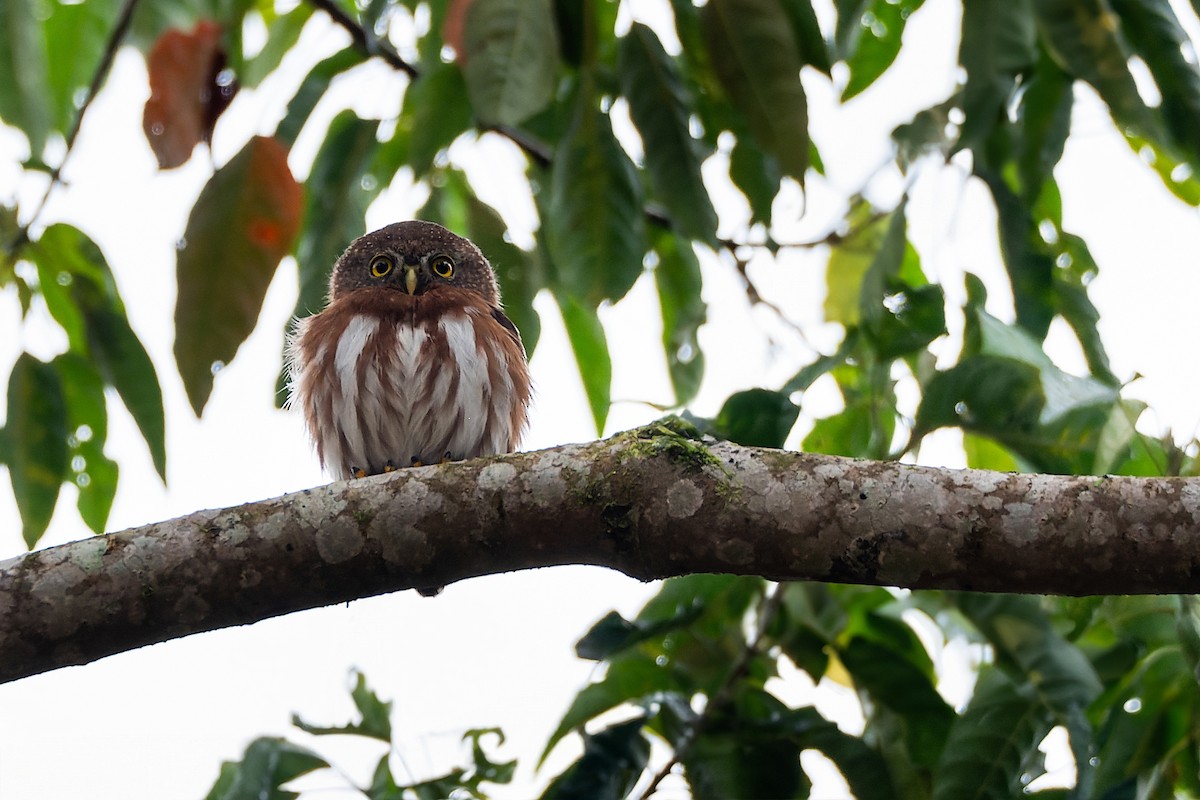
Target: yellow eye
column 382, row 266
column 442, row 266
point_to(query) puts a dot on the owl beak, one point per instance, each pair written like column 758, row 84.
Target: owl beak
column 410, row 279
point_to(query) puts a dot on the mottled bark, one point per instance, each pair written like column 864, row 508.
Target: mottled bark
column 650, row 503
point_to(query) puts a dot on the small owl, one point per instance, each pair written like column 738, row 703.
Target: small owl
column 413, row 361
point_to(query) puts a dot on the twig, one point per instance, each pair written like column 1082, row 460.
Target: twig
column 723, row 695
column 371, row 45
column 102, row 69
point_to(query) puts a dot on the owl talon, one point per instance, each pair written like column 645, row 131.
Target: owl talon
column 358, row 472
column 417, row 462
column 446, row 457
column 389, row 467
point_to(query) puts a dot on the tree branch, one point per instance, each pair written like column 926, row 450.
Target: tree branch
column 651, row 503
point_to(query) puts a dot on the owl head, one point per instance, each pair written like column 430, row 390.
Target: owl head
column 413, row 257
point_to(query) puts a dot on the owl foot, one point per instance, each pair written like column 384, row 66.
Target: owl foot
column 358, row 472
column 389, row 467
column 429, row 591
column 417, row 462
column 446, row 457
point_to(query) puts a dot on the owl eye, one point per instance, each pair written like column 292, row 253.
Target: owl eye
column 442, row 266
column 382, row 265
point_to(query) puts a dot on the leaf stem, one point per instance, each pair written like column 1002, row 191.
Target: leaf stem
column 770, row 607
column 124, row 18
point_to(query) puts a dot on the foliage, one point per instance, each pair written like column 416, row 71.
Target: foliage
column 627, row 137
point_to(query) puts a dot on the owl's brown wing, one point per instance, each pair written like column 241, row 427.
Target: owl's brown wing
column 508, row 325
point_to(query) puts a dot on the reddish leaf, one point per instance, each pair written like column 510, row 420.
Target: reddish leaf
column 188, row 92
column 453, row 28
column 243, row 223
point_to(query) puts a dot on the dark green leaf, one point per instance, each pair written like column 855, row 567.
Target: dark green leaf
column 77, row 281
column 678, row 279
column 311, row 90
column 243, row 223
column 985, row 394
column 993, row 742
column 511, row 60
column 1030, row 267
column 892, row 680
column 610, row 766
column 435, row 112
column 24, row 74
column 87, row 418
column 518, row 271
column 126, row 366
column 1043, row 122
column 847, row 433
column 1076, row 270
column 628, row 678
column 757, row 60
column 878, row 43
column 802, row 380
column 374, row 716
column 586, row 335
column 283, row 31
column 998, row 43
column 266, row 765
column 1082, row 38
column 1154, row 32
column 809, row 41
column 36, row 442
column 595, row 228
column 484, row 768
column 659, row 106
column 757, row 418
column 757, row 175
column 614, row 634
column 338, row 190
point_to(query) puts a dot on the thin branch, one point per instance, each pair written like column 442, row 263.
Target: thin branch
column 115, row 37
column 724, row 694
column 369, row 44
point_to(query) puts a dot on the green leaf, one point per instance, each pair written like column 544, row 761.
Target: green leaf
column 1033, row 652
column 511, row 61
column 1177, row 175
column 878, row 43
column 806, row 377
column 985, row 453
column 678, row 279
column 659, row 106
column 242, row 224
column 267, row 764
column 75, row 35
column 338, row 190
column 87, row 424
column 311, row 90
column 891, row 679
column 1084, row 38
column 435, row 112
column 993, row 742
column 518, row 271
column 24, row 74
column 1157, row 37
column 614, row 634
column 1076, row 269
column 375, row 716
column 595, row 228
column 76, row 281
column 1043, row 123
column 807, row 33
column 283, row 31
column 757, row 175
column 628, row 678
column 36, row 442
column 851, row 432
column 1030, row 267
column 586, row 335
column 871, row 238
column 998, row 43
column 757, row 60
column 609, row 768
column 757, row 418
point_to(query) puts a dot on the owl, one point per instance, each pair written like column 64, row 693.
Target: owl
column 413, row 361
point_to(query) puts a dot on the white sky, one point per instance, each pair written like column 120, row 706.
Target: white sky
column 498, row 651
